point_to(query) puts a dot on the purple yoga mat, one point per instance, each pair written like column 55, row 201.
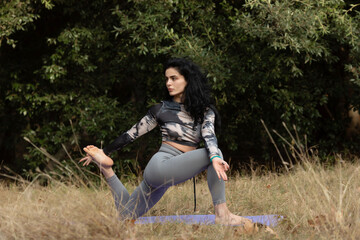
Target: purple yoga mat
column 270, row 220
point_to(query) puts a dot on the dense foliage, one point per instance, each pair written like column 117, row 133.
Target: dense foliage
column 80, row 72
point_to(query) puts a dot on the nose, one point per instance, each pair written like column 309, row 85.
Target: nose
column 168, row 83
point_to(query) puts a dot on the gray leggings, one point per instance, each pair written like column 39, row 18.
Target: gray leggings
column 168, row 167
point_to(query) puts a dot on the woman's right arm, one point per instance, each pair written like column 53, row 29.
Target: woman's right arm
column 145, row 125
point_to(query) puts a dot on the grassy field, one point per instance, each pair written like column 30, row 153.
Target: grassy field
column 317, row 202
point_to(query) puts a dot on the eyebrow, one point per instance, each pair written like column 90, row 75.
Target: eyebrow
column 171, row 76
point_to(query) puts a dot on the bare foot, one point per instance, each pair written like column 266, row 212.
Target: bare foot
column 100, row 159
column 232, row 220
column 225, row 217
column 98, row 156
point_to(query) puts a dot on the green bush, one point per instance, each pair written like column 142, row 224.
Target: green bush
column 99, row 64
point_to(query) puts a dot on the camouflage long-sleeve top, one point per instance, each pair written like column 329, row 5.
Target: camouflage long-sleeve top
column 176, row 125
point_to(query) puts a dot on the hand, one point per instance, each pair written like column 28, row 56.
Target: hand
column 88, row 159
column 220, row 167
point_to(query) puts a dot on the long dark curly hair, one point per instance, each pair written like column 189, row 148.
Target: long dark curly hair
column 197, row 91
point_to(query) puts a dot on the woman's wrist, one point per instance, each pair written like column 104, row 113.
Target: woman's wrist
column 214, row 156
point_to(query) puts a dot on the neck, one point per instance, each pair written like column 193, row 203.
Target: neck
column 179, row 99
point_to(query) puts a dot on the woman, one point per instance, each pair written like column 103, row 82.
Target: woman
column 185, row 119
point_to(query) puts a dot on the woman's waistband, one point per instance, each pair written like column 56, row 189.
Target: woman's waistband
column 169, row 149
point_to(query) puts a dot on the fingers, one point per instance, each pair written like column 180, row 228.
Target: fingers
column 83, row 159
column 91, row 153
column 218, row 173
column 222, row 175
column 87, row 160
column 223, row 165
column 226, row 165
column 220, row 167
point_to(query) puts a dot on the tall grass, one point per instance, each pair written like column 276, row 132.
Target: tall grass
column 324, row 199
column 317, row 202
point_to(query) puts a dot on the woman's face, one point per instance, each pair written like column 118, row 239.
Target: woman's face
column 175, row 83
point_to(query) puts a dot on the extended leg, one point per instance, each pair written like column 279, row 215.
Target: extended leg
column 120, row 193
column 141, row 200
column 130, row 207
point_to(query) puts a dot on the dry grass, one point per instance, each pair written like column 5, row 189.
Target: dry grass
column 318, row 203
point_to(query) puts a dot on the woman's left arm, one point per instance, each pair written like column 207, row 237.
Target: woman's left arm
column 211, row 145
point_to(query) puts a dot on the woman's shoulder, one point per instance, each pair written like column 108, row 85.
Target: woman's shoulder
column 171, row 105
column 209, row 111
column 165, row 105
column 157, row 105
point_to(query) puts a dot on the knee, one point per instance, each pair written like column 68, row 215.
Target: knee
column 147, row 177
column 151, row 177
column 157, row 178
column 151, row 172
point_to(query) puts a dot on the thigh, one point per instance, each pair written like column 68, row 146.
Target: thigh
column 170, row 170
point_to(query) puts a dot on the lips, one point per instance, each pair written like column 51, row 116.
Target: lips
column 170, row 89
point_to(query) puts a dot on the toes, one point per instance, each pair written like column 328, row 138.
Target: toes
column 272, row 232
column 87, row 150
column 89, row 147
column 259, row 225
